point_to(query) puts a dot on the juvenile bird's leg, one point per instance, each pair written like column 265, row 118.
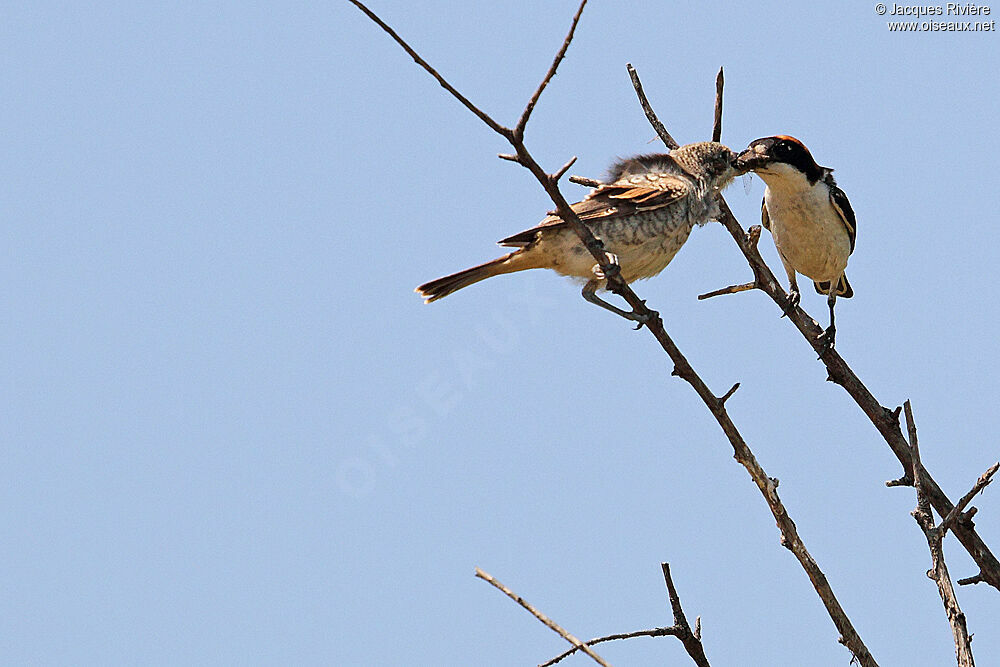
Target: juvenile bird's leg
column 590, row 294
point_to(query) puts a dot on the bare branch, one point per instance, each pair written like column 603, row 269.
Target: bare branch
column 650, row 114
column 905, row 480
column 655, row 632
column 583, row 180
column 540, row 616
column 523, row 121
column 955, row 514
column 849, row 637
column 752, row 238
column 975, row 579
column 692, row 644
column 563, row 169
column 925, row 518
column 935, row 536
column 720, row 81
column 682, row 368
column 732, row 289
column 680, row 629
column 496, row 127
column 732, row 390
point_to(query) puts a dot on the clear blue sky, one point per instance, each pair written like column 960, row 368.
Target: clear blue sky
column 231, row 433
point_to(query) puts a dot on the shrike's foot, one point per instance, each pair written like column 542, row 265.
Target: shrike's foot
column 826, row 340
column 791, row 303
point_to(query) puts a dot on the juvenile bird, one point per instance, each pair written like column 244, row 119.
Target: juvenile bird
column 810, row 218
column 643, row 213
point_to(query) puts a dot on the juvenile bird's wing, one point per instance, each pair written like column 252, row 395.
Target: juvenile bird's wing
column 634, row 194
column 843, row 208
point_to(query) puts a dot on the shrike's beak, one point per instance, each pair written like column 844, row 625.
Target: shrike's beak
column 750, row 159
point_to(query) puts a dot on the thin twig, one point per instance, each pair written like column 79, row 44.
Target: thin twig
column 583, row 180
column 523, row 121
column 563, row 169
column 496, row 127
column 720, row 81
column 732, row 289
column 692, row 643
column 729, row 394
column 655, row 632
column 955, row 514
column 548, row 622
column 650, row 114
column 974, row 579
column 935, row 537
column 680, row 629
column 905, row 480
column 916, row 470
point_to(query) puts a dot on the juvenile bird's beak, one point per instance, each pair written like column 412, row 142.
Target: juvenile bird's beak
column 735, row 164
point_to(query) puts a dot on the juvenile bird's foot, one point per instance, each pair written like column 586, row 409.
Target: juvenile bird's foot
column 613, row 265
column 642, row 320
column 589, row 293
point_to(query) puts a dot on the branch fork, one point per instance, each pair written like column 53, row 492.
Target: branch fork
column 935, row 538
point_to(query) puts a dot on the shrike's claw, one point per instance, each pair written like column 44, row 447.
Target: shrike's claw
column 791, row 303
column 827, row 340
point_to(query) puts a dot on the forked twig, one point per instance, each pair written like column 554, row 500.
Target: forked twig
column 935, row 538
column 691, row 639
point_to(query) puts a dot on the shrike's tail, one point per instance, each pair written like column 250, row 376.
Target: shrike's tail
column 843, row 287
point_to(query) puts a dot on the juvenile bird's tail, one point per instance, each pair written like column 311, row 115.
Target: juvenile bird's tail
column 442, row 287
column 843, row 287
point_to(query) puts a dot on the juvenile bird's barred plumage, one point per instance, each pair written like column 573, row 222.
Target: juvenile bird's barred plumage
column 643, row 214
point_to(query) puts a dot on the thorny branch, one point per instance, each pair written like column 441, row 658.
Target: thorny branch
column 691, row 639
column 541, row 617
column 682, row 368
column 935, row 537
